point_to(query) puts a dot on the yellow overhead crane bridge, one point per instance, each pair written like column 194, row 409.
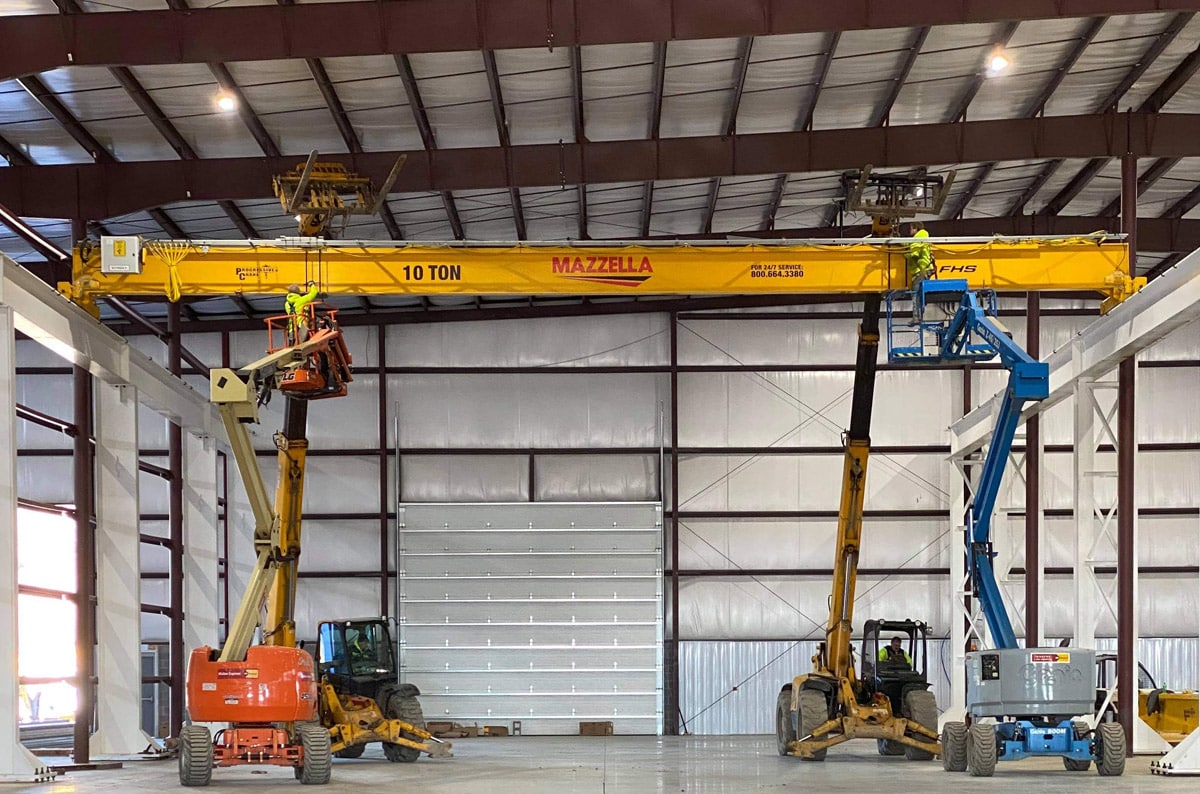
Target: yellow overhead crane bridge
column 196, row 268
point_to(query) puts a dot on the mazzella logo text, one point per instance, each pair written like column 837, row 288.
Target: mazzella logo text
column 625, row 271
column 777, row 270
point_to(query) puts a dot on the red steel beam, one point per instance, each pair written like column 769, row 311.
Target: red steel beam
column 37, row 43
column 1135, row 72
column 106, row 190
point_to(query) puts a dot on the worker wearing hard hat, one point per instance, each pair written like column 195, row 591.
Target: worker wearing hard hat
column 894, row 653
column 919, row 258
column 294, row 304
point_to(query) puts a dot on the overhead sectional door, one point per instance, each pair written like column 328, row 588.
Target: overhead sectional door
column 545, row 613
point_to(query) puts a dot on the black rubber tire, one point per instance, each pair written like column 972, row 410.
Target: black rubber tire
column 785, row 729
column 814, row 710
column 1077, row 765
column 954, row 747
column 1110, row 749
column 409, row 710
column 353, row 751
column 920, row 706
column 889, row 747
column 195, row 756
column 318, row 760
column 981, row 750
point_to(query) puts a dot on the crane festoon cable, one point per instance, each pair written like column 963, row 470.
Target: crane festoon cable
column 172, row 252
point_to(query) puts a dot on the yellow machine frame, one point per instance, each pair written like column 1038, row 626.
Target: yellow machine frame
column 197, row 268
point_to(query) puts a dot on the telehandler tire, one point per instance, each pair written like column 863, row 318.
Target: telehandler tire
column 407, row 709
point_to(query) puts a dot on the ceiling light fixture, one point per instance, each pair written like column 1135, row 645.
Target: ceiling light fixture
column 998, row 61
column 226, row 101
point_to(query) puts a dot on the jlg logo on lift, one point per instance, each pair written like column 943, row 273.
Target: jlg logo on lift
column 956, row 269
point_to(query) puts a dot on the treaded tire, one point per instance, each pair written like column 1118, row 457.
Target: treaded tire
column 981, row 750
column 318, row 760
column 1077, row 765
column 814, row 710
column 195, row 756
column 920, row 706
column 354, row 751
column 1110, row 749
column 785, row 730
column 889, row 747
column 409, row 710
column 954, row 747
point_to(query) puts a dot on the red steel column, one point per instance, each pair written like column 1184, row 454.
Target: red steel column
column 671, row 718
column 175, row 518
column 1126, row 457
column 1033, row 596
column 85, row 568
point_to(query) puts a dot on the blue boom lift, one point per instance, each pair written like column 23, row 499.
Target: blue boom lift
column 1031, row 693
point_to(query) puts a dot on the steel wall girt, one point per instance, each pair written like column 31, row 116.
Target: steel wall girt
column 37, row 43
column 107, row 190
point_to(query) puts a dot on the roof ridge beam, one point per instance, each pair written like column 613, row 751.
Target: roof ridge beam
column 40, row 42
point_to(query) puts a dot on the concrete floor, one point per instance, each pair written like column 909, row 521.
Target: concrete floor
column 553, row 765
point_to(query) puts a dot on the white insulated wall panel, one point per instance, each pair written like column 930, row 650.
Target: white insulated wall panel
column 331, row 599
column 1181, row 344
column 47, row 394
column 782, row 608
column 615, row 340
column 341, row 545
column 712, row 544
column 522, row 411
column 545, row 613
column 350, row 422
column 795, row 340
column 596, row 478
column 464, row 478
column 809, row 482
column 46, row 479
column 811, row 408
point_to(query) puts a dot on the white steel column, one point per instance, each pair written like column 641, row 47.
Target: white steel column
column 118, row 577
column 1095, row 479
column 960, row 589
column 16, row 762
column 200, row 551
